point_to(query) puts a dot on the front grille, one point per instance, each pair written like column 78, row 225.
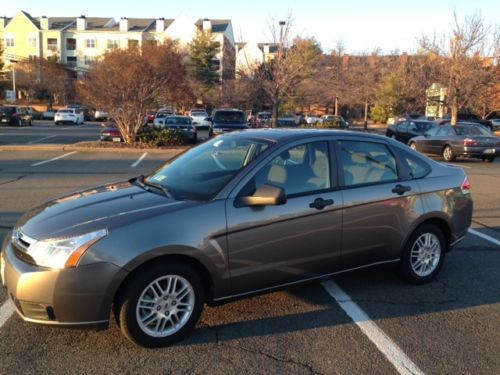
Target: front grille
column 21, row 254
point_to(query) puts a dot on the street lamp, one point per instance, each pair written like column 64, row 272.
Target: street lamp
column 281, row 23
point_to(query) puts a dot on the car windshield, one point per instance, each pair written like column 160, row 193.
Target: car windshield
column 264, row 116
column 471, row 130
column 65, row 111
column 229, row 117
column 203, row 171
column 199, row 114
column 424, row 126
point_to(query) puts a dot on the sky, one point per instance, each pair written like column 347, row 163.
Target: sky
column 360, row 25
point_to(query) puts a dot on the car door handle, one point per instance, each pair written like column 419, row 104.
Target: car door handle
column 320, row 203
column 401, row 189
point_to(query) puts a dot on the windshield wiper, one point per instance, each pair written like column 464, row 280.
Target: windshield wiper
column 146, row 184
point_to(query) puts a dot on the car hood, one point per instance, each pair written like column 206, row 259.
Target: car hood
column 106, row 206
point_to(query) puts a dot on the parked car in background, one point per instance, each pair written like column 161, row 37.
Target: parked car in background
column 48, row 114
column 459, row 140
column 110, row 132
column 240, row 214
column 14, row 115
column 160, row 117
column 149, row 117
column 263, row 119
column 100, row 115
column 495, row 122
column 35, row 115
column 463, row 117
column 338, row 121
column 181, row 123
column 404, row 131
column 312, row 118
column 287, row 120
column 228, row 120
column 201, row 120
column 69, row 116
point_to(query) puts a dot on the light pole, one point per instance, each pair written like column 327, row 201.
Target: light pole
column 281, row 23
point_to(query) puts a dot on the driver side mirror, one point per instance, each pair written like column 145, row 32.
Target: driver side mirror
column 266, row 195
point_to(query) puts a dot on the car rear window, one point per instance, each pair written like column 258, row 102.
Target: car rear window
column 7, row 110
column 65, row 111
column 229, row 117
column 471, row 130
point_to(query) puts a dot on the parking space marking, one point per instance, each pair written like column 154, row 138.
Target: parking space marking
column 484, row 236
column 6, row 311
column 393, row 353
column 136, row 163
column 53, row 159
column 42, row 139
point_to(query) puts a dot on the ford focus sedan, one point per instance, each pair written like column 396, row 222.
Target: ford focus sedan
column 244, row 213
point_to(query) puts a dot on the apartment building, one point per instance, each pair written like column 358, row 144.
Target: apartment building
column 78, row 41
column 250, row 55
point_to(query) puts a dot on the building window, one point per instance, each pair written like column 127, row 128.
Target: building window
column 71, row 61
column 88, row 60
column 112, row 44
column 70, row 44
column 9, row 41
column 52, row 44
column 32, row 41
column 90, row 43
column 133, row 43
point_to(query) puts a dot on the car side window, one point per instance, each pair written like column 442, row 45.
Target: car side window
column 298, row 170
column 418, row 167
column 412, row 127
column 444, row 131
column 367, row 163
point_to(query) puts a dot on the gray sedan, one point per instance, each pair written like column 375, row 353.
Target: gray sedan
column 243, row 213
column 460, row 140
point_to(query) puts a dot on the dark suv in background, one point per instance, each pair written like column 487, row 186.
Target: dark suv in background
column 14, row 115
column 228, row 120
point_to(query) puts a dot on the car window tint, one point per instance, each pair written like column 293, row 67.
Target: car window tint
column 444, row 131
column 471, row 130
column 418, row 167
column 367, row 162
column 298, row 170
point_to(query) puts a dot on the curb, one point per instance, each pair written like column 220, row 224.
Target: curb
column 175, row 150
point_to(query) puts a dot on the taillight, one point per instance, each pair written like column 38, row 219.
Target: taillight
column 470, row 142
column 465, row 186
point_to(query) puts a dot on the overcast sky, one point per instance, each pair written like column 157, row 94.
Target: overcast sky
column 361, row 25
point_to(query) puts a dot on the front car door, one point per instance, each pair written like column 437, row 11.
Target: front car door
column 276, row 245
column 379, row 199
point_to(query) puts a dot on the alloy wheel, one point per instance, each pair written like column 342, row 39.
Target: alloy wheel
column 425, row 254
column 165, row 306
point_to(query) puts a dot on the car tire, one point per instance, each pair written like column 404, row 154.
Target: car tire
column 57, row 122
column 153, row 324
column 30, row 123
column 448, row 154
column 488, row 159
column 423, row 254
column 195, row 139
column 413, row 146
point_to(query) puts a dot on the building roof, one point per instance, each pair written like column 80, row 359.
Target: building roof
column 218, row 26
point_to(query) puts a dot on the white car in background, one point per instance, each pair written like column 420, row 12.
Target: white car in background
column 495, row 123
column 312, row 118
column 69, row 115
column 100, row 115
column 161, row 115
column 200, row 117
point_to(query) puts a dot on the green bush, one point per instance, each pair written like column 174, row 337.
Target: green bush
column 163, row 137
column 378, row 113
column 328, row 125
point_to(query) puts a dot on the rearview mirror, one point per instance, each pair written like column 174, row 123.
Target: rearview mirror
column 266, row 195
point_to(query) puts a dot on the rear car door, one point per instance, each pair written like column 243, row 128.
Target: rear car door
column 275, row 245
column 379, row 201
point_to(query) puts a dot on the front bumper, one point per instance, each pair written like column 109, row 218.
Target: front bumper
column 69, row 297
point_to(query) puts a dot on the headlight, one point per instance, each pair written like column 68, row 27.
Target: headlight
column 64, row 252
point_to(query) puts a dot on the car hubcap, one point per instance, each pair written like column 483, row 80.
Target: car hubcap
column 165, row 306
column 425, row 254
column 447, row 153
column 413, row 146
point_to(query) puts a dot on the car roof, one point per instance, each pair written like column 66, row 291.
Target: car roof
column 280, row 134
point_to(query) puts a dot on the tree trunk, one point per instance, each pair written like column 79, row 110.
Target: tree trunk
column 454, row 110
column 276, row 107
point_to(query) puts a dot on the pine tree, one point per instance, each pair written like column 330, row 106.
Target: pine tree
column 203, row 57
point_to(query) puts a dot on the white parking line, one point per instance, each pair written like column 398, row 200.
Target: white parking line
column 136, row 163
column 389, row 348
column 56, row 158
column 484, row 236
column 6, row 310
column 42, row 139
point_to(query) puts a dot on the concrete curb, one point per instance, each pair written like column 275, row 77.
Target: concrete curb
column 174, row 150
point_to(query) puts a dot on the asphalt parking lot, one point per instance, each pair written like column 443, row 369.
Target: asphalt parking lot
column 450, row 326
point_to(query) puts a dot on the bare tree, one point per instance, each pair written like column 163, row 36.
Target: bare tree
column 293, row 62
column 463, row 52
column 127, row 82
